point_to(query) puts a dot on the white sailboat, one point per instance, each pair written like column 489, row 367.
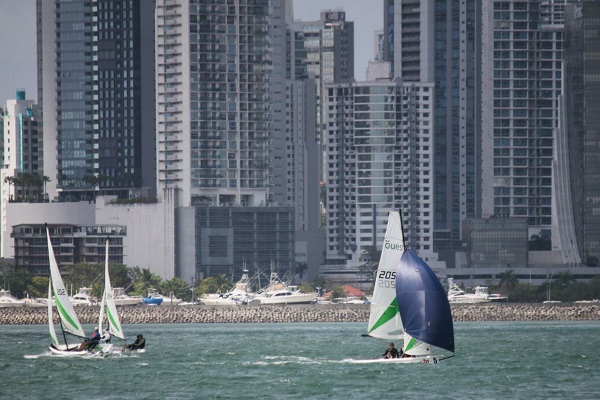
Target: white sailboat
column 384, row 320
column 108, row 308
column 424, row 311
column 68, row 320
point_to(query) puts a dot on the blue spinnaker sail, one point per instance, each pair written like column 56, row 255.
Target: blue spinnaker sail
column 423, row 303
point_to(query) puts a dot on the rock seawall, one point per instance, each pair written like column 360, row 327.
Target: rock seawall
column 304, row 313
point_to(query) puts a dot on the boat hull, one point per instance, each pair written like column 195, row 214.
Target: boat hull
column 292, row 299
column 403, row 360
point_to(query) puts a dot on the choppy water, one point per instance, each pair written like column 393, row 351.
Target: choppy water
column 495, row 360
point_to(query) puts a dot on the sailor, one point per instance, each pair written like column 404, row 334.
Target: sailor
column 391, row 352
column 105, row 336
column 139, row 343
column 91, row 342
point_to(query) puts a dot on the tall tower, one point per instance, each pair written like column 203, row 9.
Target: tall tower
column 213, row 66
column 583, row 137
column 379, row 146
column 522, row 83
column 96, row 85
column 439, row 42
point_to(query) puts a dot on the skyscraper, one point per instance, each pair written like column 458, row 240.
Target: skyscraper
column 522, row 83
column 439, row 42
column 379, row 141
column 582, row 95
column 96, row 85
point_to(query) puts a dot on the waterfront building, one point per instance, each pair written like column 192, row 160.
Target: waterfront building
column 379, row 143
column 72, row 245
column 580, row 132
column 96, row 87
column 438, row 41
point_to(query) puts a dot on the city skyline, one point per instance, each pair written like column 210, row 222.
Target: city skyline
column 18, row 57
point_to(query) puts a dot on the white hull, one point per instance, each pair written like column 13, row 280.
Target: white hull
column 62, row 350
column 467, row 300
column 403, row 360
column 296, row 298
column 129, row 301
column 12, row 304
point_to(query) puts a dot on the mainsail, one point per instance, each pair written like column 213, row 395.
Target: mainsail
column 108, row 303
column 69, row 321
column 423, row 307
column 384, row 321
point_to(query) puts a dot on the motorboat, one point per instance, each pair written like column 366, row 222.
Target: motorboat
column 123, row 299
column 154, row 298
column 83, row 297
column 279, row 292
column 241, row 294
column 458, row 296
column 8, row 300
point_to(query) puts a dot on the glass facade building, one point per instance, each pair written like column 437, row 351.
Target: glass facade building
column 95, row 84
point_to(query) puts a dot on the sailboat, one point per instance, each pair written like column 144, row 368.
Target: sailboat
column 423, row 309
column 108, row 308
column 384, row 319
column 69, row 322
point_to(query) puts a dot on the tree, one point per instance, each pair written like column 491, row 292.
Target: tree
column 338, row 292
column 144, row 280
column 11, row 181
column 45, row 180
column 507, row 279
column 175, row 287
column 301, row 268
column 215, row 284
column 371, row 256
column 564, row 279
column 38, row 287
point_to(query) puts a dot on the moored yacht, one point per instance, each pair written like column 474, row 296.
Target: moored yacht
column 458, row 296
column 279, row 292
column 241, row 294
column 83, row 297
column 8, row 300
column 123, row 299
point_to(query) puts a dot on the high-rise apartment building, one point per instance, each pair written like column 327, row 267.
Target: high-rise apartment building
column 379, row 142
column 439, row 42
column 213, row 66
column 96, row 85
column 582, row 134
column 521, row 87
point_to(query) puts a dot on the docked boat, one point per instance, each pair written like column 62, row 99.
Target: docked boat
column 153, row 299
column 83, row 297
column 8, row 300
column 123, row 299
column 241, row 294
column 279, row 292
column 458, row 296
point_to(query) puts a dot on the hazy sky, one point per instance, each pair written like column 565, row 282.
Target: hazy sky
column 18, row 42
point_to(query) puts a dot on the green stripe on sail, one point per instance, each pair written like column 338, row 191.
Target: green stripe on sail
column 64, row 313
column 411, row 343
column 111, row 318
column 387, row 315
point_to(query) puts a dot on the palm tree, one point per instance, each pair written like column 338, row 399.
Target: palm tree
column 145, row 280
column 11, row 181
column 507, row 279
column 564, row 279
column 45, row 179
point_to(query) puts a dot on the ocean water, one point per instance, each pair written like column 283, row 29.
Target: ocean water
column 495, row 360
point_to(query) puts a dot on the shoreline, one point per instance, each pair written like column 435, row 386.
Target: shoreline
column 142, row 314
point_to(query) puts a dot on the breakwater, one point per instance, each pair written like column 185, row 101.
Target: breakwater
column 304, row 313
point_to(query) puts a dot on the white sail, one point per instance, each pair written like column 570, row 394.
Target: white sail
column 69, row 321
column 53, row 337
column 384, row 320
column 108, row 301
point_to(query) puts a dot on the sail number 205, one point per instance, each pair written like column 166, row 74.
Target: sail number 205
column 387, row 279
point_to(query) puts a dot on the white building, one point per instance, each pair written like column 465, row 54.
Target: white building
column 379, row 151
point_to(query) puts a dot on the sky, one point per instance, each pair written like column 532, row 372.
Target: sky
column 18, row 41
